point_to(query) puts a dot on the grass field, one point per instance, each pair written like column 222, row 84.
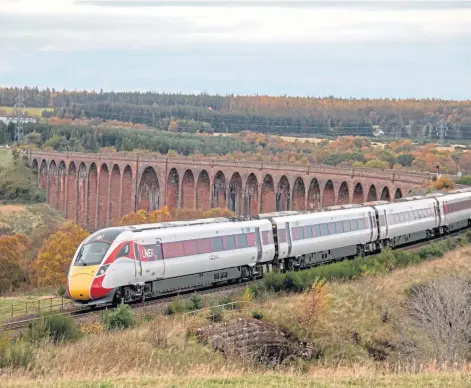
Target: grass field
column 321, row 379
column 137, row 357
column 31, row 112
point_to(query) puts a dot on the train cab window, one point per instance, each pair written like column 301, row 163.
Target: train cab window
column 324, row 231
column 123, row 251
column 346, row 226
column 242, row 241
column 338, row 227
column 229, row 242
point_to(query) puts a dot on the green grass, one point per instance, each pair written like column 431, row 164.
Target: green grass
column 34, row 112
column 262, row 381
column 5, row 157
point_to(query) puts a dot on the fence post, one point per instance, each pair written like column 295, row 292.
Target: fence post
column 26, row 308
column 39, row 307
column 12, row 307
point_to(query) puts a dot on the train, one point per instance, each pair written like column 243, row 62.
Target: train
column 133, row 263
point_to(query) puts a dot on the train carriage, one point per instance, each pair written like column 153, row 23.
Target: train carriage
column 455, row 210
column 153, row 261
column 407, row 220
column 327, row 235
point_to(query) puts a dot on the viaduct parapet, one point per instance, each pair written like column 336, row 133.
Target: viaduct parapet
column 97, row 189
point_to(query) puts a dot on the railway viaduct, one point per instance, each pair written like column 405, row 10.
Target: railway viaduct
column 97, row 189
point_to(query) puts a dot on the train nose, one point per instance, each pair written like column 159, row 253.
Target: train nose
column 80, row 282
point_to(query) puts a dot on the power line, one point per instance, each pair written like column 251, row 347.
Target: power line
column 441, row 130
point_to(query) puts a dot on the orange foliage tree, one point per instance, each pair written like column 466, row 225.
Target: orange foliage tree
column 56, row 254
column 12, row 249
column 164, row 215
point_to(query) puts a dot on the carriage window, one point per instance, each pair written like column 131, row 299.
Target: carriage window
column 204, row 245
column 331, row 227
column 416, row 215
column 241, row 241
column 316, row 230
column 229, row 242
column 339, row 227
column 216, row 244
column 324, row 231
column 361, row 225
column 401, row 217
column 281, row 235
column 299, row 233
column 354, row 224
column 346, row 226
column 367, row 222
column 307, row 232
column 190, row 247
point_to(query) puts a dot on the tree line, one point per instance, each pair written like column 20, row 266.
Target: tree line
column 266, row 114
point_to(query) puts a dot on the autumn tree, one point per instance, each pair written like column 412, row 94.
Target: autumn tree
column 57, row 252
column 11, row 251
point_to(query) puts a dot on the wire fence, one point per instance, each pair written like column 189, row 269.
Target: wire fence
column 33, row 307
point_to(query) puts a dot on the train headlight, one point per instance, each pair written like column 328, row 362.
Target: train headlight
column 102, row 270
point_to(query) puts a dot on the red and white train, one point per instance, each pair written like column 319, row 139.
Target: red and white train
column 124, row 264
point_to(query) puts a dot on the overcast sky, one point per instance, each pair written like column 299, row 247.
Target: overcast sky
column 341, row 48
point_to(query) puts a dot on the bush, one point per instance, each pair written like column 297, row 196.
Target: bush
column 61, row 291
column 14, row 354
column 195, row 302
column 176, row 306
column 217, row 314
column 54, row 326
column 120, row 318
column 257, row 315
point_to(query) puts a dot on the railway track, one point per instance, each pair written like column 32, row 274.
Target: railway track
column 19, row 324
column 23, row 323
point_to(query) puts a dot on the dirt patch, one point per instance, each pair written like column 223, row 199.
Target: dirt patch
column 11, row 208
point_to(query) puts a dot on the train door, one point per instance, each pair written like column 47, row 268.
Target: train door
column 137, row 261
column 288, row 238
column 160, row 258
column 386, row 224
column 259, row 244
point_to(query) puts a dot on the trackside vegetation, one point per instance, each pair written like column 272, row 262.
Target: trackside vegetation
column 383, row 263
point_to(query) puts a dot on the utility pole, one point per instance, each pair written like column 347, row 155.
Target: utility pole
column 19, row 112
column 441, row 130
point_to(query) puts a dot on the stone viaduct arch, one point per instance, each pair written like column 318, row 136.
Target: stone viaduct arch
column 96, row 190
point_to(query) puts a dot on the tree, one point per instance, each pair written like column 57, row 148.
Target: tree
column 11, row 250
column 57, row 252
column 439, row 323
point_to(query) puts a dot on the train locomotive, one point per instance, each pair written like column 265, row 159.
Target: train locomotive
column 123, row 264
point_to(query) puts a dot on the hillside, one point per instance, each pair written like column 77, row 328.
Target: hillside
column 359, row 340
column 266, row 114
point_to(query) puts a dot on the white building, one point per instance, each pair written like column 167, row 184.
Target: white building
column 25, row 120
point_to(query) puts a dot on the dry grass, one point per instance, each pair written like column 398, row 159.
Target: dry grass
column 160, row 353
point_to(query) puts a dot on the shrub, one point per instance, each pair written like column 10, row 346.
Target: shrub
column 54, row 326
column 195, row 302
column 176, row 306
column 61, row 291
column 120, row 318
column 217, row 314
column 257, row 315
column 15, row 354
